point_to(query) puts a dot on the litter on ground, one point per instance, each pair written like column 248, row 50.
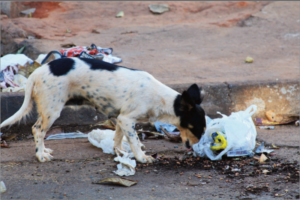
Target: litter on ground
column 60, row 136
column 119, row 181
column 239, row 131
column 104, row 139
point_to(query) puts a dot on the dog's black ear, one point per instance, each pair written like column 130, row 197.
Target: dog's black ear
column 195, row 93
column 186, row 103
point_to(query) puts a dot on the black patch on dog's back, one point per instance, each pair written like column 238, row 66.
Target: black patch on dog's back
column 101, row 65
column 61, row 67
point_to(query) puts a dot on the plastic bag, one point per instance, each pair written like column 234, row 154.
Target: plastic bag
column 240, row 133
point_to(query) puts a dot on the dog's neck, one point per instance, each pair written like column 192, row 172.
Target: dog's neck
column 166, row 112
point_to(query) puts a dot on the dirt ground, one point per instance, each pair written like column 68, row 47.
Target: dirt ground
column 78, row 164
column 193, row 42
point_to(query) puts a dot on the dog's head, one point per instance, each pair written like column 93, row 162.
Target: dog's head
column 192, row 116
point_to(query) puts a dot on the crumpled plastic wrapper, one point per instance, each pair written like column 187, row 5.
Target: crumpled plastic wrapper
column 126, row 166
column 104, row 139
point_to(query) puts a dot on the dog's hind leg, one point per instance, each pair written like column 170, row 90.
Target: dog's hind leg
column 49, row 109
column 40, row 129
column 127, row 125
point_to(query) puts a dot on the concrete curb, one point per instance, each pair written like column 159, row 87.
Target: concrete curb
column 281, row 96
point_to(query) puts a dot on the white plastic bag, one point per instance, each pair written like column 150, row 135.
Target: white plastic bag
column 240, row 134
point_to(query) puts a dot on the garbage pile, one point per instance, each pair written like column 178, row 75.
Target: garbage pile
column 16, row 68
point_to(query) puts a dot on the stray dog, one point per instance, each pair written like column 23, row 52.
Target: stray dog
column 129, row 95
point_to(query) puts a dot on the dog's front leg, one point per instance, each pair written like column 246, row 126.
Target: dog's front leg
column 118, row 138
column 127, row 125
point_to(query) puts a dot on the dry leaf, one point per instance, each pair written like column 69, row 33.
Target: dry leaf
column 120, row 181
column 197, row 175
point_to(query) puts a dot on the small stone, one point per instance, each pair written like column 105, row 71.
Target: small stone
column 97, row 32
column 120, row 14
column 249, row 59
column 159, row 8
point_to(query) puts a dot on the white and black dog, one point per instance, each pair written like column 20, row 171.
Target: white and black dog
column 126, row 94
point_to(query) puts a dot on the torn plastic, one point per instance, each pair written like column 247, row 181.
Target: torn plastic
column 126, row 166
column 19, row 80
column 2, row 187
column 261, row 149
column 168, row 127
column 104, row 139
column 239, row 130
column 10, row 66
column 60, row 136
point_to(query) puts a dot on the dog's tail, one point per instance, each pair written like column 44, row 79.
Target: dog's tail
column 26, row 106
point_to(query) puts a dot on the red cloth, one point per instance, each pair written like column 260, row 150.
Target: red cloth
column 75, row 51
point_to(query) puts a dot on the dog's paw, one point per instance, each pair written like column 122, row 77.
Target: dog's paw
column 43, row 157
column 47, row 150
column 146, row 159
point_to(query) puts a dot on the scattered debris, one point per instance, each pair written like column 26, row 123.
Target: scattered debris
column 3, row 140
column 168, row 127
column 175, row 138
column 28, row 69
column 267, row 127
column 120, row 14
column 108, row 124
column 21, row 49
column 220, row 141
column 67, row 136
column 280, row 119
column 240, row 133
column 54, row 130
column 262, row 158
column 249, row 59
column 150, row 134
column 159, row 8
column 93, row 51
column 126, row 166
column 96, row 31
column 261, row 149
column 273, row 146
column 10, row 65
column 129, row 32
column 28, row 11
column 265, row 171
column 104, row 139
column 192, row 183
column 2, row 187
column 120, row 181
